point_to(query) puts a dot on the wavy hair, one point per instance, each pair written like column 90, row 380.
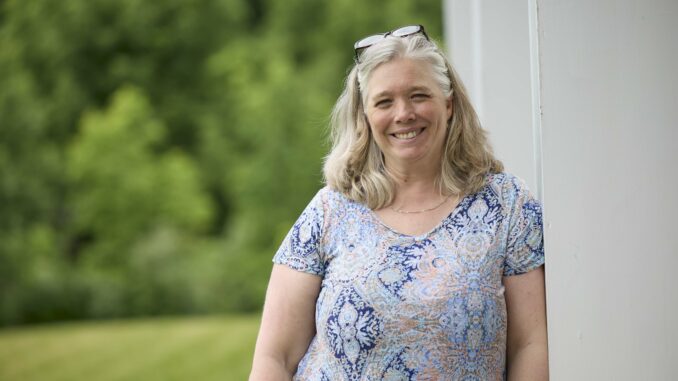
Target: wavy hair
column 355, row 164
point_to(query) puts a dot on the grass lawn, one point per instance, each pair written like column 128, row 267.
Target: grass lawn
column 195, row 348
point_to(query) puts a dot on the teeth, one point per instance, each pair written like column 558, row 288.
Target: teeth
column 408, row 135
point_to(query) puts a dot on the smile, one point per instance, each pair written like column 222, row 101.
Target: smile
column 408, row 135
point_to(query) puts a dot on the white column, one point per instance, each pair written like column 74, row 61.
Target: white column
column 489, row 43
column 609, row 95
column 584, row 94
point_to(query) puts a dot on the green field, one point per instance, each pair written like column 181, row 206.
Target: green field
column 202, row 348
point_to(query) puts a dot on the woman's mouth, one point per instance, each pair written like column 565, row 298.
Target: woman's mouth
column 408, row 135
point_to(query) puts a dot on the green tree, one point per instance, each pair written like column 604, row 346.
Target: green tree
column 154, row 154
column 124, row 184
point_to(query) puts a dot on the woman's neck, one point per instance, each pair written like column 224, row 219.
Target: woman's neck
column 413, row 174
column 415, row 187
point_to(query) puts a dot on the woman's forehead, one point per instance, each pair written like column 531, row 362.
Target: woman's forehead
column 401, row 74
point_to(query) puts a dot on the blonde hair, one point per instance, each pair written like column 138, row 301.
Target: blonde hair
column 355, row 165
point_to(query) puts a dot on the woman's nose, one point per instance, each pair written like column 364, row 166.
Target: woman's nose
column 404, row 112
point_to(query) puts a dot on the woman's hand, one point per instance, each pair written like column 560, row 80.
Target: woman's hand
column 287, row 324
column 527, row 348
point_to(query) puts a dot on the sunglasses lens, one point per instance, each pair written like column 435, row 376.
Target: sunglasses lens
column 367, row 41
column 406, row 30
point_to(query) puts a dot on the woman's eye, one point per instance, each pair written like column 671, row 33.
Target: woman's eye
column 420, row 96
column 383, row 103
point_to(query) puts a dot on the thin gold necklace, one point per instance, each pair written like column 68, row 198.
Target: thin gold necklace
column 420, row 211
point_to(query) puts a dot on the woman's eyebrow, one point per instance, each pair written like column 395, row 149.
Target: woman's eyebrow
column 386, row 93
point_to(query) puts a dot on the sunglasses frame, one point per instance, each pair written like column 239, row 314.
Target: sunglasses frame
column 368, row 41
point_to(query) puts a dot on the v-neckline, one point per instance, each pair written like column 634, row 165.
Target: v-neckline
column 438, row 226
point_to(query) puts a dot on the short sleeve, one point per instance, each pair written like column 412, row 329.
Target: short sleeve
column 525, row 248
column 300, row 250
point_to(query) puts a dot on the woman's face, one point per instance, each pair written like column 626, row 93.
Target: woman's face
column 407, row 113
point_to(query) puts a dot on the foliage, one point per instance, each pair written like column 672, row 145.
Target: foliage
column 154, row 154
column 122, row 187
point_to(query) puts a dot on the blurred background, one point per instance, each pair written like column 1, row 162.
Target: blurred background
column 153, row 154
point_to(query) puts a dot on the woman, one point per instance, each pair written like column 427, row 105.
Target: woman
column 420, row 259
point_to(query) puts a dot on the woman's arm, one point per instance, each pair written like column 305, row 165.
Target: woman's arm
column 287, row 324
column 527, row 348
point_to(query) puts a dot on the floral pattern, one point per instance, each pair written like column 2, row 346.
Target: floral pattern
column 398, row 307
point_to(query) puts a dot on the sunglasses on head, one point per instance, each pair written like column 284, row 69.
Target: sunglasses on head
column 373, row 39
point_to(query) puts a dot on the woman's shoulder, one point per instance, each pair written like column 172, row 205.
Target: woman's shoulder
column 334, row 198
column 331, row 203
column 508, row 186
column 505, row 179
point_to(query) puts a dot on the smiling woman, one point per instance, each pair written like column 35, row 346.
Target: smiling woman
column 407, row 113
column 420, row 259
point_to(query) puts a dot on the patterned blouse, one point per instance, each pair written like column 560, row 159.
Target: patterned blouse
column 397, row 307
